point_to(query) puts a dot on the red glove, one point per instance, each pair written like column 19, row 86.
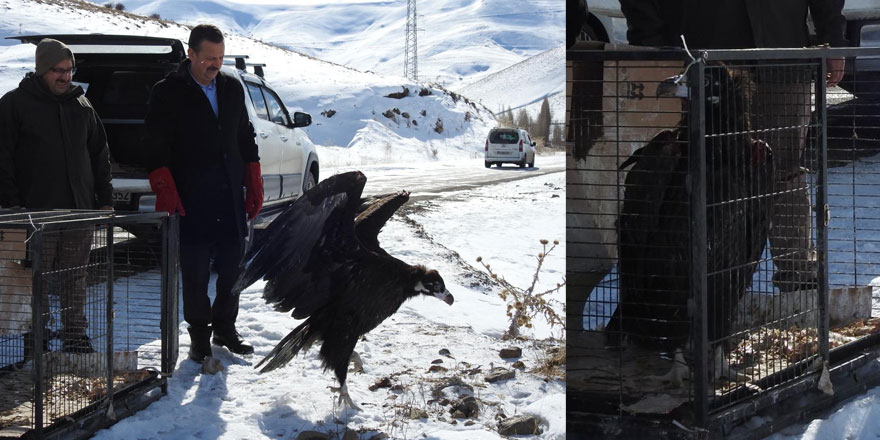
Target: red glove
column 167, row 199
column 253, row 181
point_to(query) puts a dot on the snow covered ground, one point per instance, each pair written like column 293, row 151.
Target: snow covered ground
column 501, row 223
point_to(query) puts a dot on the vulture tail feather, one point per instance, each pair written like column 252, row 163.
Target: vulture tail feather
column 299, row 339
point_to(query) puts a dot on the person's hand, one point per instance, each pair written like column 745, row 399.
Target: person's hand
column 835, row 71
column 167, row 199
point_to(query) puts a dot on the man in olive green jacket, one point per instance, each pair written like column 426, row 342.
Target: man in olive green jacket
column 54, row 155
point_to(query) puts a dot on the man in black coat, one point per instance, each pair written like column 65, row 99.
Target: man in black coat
column 782, row 96
column 54, row 155
column 202, row 151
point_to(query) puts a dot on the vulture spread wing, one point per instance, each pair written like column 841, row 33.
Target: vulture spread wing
column 310, row 239
column 373, row 215
column 321, row 260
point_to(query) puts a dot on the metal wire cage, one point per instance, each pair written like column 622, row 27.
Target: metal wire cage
column 88, row 318
column 705, row 272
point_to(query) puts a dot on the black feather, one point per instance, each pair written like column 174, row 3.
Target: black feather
column 655, row 223
column 322, row 261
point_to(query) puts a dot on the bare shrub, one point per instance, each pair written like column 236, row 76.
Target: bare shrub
column 523, row 305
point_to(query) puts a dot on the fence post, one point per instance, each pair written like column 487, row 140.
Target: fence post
column 697, row 172
column 110, row 318
column 170, row 245
column 822, row 211
column 36, row 254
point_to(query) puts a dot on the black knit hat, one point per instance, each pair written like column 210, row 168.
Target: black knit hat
column 49, row 53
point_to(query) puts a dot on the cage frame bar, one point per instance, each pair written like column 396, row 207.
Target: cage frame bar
column 699, row 282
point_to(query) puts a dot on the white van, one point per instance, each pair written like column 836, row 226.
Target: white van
column 509, row 145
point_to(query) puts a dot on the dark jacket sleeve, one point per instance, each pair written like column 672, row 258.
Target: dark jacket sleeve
column 159, row 128
column 9, row 191
column 99, row 153
column 829, row 21
column 651, row 22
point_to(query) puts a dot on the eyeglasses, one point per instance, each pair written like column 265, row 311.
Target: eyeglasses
column 71, row 71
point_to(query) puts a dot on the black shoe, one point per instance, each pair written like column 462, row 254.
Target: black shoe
column 793, row 281
column 232, row 340
column 76, row 344
column 200, row 345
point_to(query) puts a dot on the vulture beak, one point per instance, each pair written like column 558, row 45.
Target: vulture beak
column 674, row 86
column 445, row 296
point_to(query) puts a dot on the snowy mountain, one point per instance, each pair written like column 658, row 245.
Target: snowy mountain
column 535, row 78
column 459, row 41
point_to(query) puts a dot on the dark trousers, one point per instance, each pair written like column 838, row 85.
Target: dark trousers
column 195, row 267
column 64, row 258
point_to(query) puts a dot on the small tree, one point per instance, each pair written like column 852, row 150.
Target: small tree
column 155, row 16
column 501, row 118
column 542, row 124
column 556, row 139
column 120, row 7
column 523, row 120
column 108, row 5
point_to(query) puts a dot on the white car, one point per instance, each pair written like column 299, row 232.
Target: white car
column 118, row 73
column 509, row 145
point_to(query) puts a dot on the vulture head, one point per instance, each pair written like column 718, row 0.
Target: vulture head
column 432, row 284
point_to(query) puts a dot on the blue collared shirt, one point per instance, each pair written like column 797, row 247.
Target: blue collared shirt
column 210, row 92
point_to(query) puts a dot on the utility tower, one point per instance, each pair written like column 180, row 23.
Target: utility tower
column 411, row 55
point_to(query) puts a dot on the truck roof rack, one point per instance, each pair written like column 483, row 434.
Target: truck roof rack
column 241, row 64
column 258, row 68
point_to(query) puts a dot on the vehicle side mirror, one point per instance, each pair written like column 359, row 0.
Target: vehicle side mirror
column 534, row 143
column 301, row 119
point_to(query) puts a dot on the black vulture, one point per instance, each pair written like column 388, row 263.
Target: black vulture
column 655, row 309
column 322, row 261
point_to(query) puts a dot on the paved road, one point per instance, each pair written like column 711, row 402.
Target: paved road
column 430, row 179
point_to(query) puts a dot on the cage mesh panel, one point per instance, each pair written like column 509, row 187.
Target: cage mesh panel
column 629, row 217
column 614, row 110
column 94, row 273
column 854, row 187
column 762, row 271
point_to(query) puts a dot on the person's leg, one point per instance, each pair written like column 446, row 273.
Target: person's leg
column 71, row 263
column 227, row 257
column 782, row 115
column 195, row 272
column 47, row 253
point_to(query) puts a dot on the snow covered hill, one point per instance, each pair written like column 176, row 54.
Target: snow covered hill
column 459, row 41
column 535, row 78
column 355, row 122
